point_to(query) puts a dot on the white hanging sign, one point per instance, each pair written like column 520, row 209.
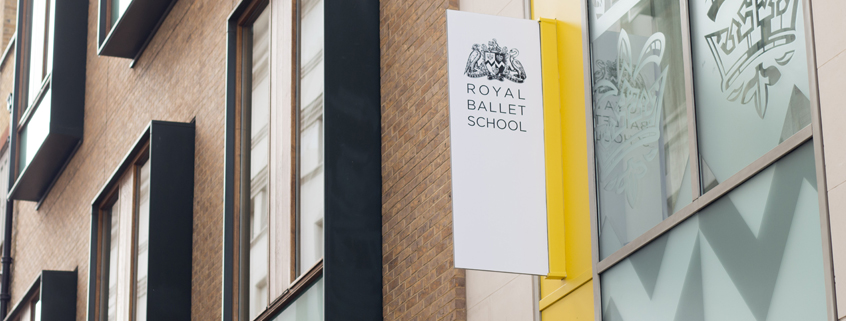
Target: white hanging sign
column 496, row 128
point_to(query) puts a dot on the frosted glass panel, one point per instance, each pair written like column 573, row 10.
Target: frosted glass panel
column 142, row 242
column 307, row 307
column 751, row 80
column 640, row 117
column 754, row 255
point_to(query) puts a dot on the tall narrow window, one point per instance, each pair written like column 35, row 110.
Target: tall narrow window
column 255, row 159
column 39, row 63
column 48, row 106
column 143, row 223
column 310, row 123
column 109, row 271
column 142, row 241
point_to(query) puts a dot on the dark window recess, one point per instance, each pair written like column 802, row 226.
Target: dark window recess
column 171, row 158
column 49, row 124
column 55, row 292
column 125, row 32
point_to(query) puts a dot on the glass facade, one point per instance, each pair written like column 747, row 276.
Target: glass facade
column 754, row 254
column 640, row 117
column 751, row 81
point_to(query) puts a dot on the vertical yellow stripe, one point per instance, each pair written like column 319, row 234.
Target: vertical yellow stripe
column 554, row 152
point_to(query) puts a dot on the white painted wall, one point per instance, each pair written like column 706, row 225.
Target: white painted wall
column 830, row 47
column 495, row 296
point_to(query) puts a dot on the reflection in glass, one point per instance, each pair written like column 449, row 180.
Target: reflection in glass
column 40, row 58
column 109, row 271
column 753, row 255
column 258, row 108
column 751, row 80
column 310, row 221
column 142, row 242
column 307, row 307
column 118, row 8
column 35, row 132
column 640, row 117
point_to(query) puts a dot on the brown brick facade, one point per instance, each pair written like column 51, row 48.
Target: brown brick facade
column 419, row 281
column 179, row 77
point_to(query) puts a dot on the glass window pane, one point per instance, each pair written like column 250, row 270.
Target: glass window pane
column 259, row 127
column 36, row 310
column 109, row 273
column 35, row 131
column 36, row 48
column 118, row 8
column 755, row 254
column 307, row 307
column 310, row 160
column 142, row 253
column 751, row 80
column 640, row 117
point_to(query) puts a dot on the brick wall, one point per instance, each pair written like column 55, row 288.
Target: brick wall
column 179, row 77
column 419, row 281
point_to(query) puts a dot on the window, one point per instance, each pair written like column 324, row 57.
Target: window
column 279, row 200
column 141, row 258
column 48, row 107
column 310, row 185
column 706, row 180
column 51, row 297
column 281, row 150
column 123, row 247
column 126, row 26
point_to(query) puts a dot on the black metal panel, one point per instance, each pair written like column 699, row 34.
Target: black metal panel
column 67, row 96
column 58, row 295
column 34, row 181
column 353, row 213
column 171, row 221
column 138, row 23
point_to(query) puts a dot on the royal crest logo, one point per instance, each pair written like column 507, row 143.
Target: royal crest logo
column 495, row 62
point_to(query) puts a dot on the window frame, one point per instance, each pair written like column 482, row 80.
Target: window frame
column 54, row 288
column 352, row 151
column 240, row 23
column 168, row 148
column 701, row 200
column 63, row 83
column 130, row 33
column 105, row 211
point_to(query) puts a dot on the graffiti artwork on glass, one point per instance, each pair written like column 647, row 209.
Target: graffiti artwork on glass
column 495, row 63
column 627, row 114
column 751, row 49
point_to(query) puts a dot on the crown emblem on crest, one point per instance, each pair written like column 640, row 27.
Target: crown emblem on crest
column 749, row 52
column 495, row 63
